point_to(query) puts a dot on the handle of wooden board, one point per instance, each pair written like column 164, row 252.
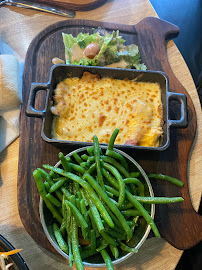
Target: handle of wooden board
column 185, row 229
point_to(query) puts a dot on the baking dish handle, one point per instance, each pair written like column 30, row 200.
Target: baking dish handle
column 30, row 110
column 182, row 122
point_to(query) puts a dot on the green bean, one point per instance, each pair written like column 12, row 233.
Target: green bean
column 143, row 211
column 53, row 175
column 91, row 159
column 58, row 184
column 133, row 189
column 131, row 212
column 117, row 175
column 113, row 154
column 71, row 258
column 112, row 139
column 126, row 205
column 95, row 224
column 116, row 164
column 40, row 184
column 77, row 168
column 115, row 220
column 61, row 242
column 109, row 239
column 84, row 212
column 47, row 186
column 115, row 234
column 70, row 187
column 84, row 157
column 136, row 182
column 53, row 200
column 110, row 194
column 167, row 178
column 83, row 196
column 127, row 248
column 79, row 194
column 134, row 174
column 78, row 204
column 68, row 219
column 145, row 214
column 63, row 227
column 112, row 190
column 77, row 214
column 107, row 259
column 90, row 170
column 72, row 200
column 90, row 150
column 97, row 161
column 85, row 165
column 83, row 230
column 46, row 176
column 92, row 241
column 158, row 200
column 64, row 162
column 133, row 224
column 94, row 198
column 103, row 245
column 56, row 170
column 48, row 179
column 95, row 213
column 75, row 246
column 87, row 253
column 66, row 192
column 110, row 178
column 64, row 214
column 77, row 158
column 69, row 232
column 115, row 251
column 42, row 192
column 93, row 195
column 111, row 206
column 114, row 202
column 76, row 187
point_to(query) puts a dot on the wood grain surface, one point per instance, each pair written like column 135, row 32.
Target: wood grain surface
column 18, row 27
column 82, row 5
column 150, row 35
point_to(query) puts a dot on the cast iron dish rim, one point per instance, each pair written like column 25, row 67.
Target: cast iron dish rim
column 142, row 240
column 16, row 258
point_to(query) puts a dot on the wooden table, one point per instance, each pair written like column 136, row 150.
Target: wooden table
column 18, row 27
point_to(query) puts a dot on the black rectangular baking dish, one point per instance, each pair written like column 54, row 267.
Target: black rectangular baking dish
column 60, row 72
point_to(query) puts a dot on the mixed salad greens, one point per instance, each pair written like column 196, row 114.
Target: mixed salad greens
column 106, row 49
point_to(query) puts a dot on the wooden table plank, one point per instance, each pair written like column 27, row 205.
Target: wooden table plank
column 18, row 27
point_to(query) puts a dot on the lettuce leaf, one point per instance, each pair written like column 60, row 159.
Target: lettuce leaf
column 112, row 50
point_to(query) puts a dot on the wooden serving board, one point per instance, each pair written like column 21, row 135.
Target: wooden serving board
column 80, row 5
column 178, row 223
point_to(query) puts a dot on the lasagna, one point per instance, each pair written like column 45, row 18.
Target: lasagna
column 92, row 105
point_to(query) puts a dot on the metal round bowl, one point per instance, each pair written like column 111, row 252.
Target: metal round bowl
column 141, row 233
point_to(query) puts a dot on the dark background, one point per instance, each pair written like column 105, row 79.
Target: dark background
column 187, row 15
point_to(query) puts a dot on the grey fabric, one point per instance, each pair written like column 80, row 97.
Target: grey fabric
column 187, row 15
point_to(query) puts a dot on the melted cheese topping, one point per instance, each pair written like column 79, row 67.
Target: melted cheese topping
column 91, row 105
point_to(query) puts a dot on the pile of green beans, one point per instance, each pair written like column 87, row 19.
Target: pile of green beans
column 97, row 202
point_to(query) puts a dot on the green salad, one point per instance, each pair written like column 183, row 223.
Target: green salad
column 101, row 50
